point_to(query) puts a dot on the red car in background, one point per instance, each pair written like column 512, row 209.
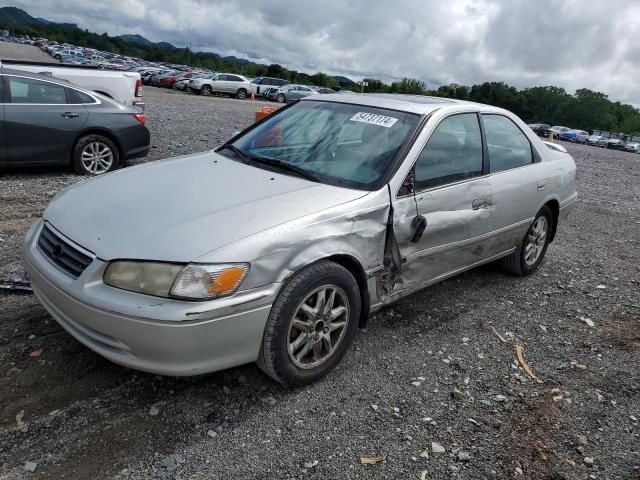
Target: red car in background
column 167, row 82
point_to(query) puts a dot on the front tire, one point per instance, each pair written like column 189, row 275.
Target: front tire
column 311, row 325
column 94, row 155
column 280, row 98
column 529, row 254
column 206, row 90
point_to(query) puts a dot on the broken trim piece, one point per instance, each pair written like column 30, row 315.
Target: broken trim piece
column 392, row 261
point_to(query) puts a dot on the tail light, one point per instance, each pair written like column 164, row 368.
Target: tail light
column 138, row 92
column 140, row 117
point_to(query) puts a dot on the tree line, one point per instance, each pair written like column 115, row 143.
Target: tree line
column 585, row 110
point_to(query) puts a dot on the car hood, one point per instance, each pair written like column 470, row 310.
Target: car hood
column 180, row 209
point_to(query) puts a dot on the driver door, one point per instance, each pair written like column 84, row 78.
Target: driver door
column 453, row 194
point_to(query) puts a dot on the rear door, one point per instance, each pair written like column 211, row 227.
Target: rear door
column 40, row 124
column 520, row 181
column 234, row 83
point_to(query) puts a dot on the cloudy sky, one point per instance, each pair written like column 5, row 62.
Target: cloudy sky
column 568, row 43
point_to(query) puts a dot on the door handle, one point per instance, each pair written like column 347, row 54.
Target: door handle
column 70, row 115
column 541, row 185
column 479, row 203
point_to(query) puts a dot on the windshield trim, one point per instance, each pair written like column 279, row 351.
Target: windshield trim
column 394, row 165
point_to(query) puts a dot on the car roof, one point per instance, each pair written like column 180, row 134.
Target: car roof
column 36, row 76
column 420, row 104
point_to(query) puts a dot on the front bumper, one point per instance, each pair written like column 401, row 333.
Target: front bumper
column 157, row 335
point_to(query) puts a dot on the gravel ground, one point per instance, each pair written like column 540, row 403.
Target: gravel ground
column 19, row 51
column 432, row 385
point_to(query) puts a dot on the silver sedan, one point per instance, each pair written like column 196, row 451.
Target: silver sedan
column 277, row 246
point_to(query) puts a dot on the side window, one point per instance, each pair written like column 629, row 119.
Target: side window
column 508, row 146
column 75, row 96
column 233, row 78
column 453, row 152
column 26, row 90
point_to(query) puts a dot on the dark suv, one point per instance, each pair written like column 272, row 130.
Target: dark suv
column 539, row 128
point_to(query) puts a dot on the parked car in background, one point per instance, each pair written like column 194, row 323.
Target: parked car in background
column 633, row 147
column 222, row 83
column 575, row 136
column 260, row 85
column 181, row 84
column 555, row 131
column 323, row 90
column 167, row 82
column 156, row 79
column 182, row 285
column 616, row 144
column 539, row 128
column 52, row 122
column 291, row 93
column 597, row 141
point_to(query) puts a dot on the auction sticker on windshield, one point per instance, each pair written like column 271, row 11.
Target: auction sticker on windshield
column 374, row 119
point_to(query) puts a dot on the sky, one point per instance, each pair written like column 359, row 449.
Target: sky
column 567, row 43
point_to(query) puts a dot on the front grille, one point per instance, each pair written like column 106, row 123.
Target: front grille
column 61, row 253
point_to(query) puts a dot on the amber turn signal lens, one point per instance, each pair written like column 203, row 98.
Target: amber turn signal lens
column 227, row 280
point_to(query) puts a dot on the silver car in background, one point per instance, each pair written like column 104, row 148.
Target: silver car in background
column 277, row 246
column 291, row 93
column 222, row 83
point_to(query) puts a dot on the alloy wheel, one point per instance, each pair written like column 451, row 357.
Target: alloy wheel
column 318, row 326
column 97, row 158
column 536, row 240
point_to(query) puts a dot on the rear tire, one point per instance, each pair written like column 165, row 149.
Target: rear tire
column 305, row 336
column 529, row 254
column 95, row 155
column 241, row 94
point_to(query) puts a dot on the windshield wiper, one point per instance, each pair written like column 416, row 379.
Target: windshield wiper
column 239, row 153
column 270, row 162
column 279, row 164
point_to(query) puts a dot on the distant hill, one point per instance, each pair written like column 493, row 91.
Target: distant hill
column 17, row 15
column 140, row 40
column 135, row 39
column 165, row 45
column 343, row 81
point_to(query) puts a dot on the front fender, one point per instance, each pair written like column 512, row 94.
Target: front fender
column 355, row 229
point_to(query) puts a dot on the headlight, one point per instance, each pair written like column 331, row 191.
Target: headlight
column 192, row 282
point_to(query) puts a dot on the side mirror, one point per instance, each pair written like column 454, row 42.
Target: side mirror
column 409, row 184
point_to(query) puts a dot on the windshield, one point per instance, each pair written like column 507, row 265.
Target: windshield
column 340, row 144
